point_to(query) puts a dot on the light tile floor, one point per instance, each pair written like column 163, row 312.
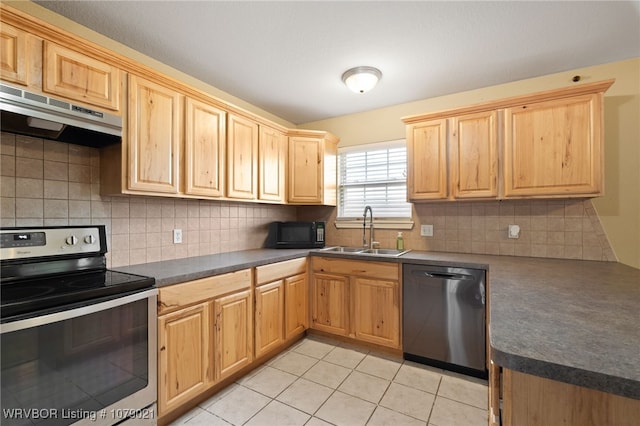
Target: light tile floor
column 323, row 382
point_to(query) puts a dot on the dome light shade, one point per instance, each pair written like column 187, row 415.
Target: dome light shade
column 361, row 79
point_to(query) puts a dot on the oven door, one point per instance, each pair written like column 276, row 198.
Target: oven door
column 93, row 365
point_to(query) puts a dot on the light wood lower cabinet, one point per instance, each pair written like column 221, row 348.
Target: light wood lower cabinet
column 269, row 317
column 330, row 303
column 205, row 333
column 296, row 304
column 376, row 311
column 358, row 299
column 535, row 401
column 185, row 360
column 281, row 304
column 233, row 333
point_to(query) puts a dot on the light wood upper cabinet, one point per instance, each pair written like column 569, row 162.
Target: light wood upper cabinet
column 233, row 333
column 312, row 168
column 154, row 136
column 554, row 147
column 550, row 144
column 178, row 141
column 454, row 157
column 185, row 356
column 272, row 158
column 204, row 148
column 427, row 160
column 474, row 155
column 242, row 158
column 13, row 54
column 269, row 317
column 79, row 77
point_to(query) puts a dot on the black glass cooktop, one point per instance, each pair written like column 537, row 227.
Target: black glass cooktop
column 25, row 296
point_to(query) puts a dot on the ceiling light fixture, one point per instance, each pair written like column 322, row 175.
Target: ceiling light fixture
column 361, row 79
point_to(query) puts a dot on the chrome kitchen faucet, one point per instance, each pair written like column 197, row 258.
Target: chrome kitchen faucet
column 364, row 228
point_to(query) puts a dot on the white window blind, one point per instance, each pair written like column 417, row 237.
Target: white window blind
column 373, row 175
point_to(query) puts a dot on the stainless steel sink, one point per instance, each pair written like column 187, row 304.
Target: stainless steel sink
column 369, row 252
column 344, row 249
column 385, row 252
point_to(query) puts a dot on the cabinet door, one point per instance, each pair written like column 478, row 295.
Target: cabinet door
column 13, row 54
column 242, row 158
column 76, row 76
column 474, row 155
column 204, row 149
column 269, row 331
column 272, row 159
column 154, row 136
column 330, row 308
column 377, row 311
column 296, row 311
column 427, row 160
column 554, row 148
column 233, row 333
column 185, row 366
column 305, row 170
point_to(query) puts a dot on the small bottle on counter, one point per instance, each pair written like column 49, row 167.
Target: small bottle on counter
column 400, row 242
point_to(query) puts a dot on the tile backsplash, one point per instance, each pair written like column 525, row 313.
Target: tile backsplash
column 51, row 183
column 568, row 229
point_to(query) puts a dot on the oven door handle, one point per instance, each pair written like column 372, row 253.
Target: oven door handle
column 76, row 312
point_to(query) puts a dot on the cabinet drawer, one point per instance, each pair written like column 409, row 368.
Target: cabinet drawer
column 363, row 268
column 275, row 271
column 173, row 297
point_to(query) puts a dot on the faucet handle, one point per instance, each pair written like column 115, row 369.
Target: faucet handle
column 375, row 244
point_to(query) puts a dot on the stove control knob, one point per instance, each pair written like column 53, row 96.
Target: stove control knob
column 71, row 240
column 90, row 239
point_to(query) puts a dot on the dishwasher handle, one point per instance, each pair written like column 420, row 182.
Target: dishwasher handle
column 442, row 275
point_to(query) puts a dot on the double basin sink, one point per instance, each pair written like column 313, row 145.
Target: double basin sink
column 365, row 251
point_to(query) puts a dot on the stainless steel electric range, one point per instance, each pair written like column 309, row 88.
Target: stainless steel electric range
column 77, row 340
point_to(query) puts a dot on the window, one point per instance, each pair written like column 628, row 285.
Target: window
column 373, row 175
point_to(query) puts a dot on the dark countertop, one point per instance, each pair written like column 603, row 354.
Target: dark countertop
column 569, row 320
column 192, row 268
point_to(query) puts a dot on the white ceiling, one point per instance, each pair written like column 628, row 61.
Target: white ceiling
column 287, row 57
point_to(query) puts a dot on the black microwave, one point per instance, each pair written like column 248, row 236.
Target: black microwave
column 296, row 235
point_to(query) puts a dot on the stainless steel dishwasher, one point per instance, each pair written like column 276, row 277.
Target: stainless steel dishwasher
column 444, row 318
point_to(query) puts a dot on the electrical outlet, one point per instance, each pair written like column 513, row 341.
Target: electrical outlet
column 514, row 231
column 426, row 230
column 177, row 236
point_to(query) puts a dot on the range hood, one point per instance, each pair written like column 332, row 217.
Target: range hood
column 33, row 114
